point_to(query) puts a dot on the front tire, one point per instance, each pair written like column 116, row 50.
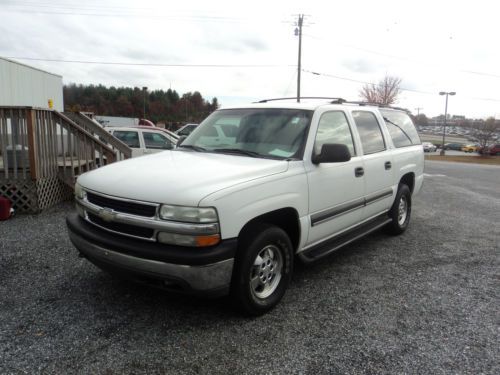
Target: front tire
column 400, row 211
column 263, row 269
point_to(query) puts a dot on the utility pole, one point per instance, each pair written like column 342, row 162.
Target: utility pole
column 298, row 31
column 145, row 91
column 418, row 112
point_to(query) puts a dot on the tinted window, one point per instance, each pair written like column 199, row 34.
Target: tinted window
column 401, row 128
column 333, row 128
column 369, row 132
column 155, row 140
column 130, row 138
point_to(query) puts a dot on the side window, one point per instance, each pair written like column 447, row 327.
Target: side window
column 369, row 132
column 333, row 128
column 156, row 141
column 130, row 138
column 401, row 128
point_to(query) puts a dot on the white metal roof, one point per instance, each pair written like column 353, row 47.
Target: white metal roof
column 29, row 66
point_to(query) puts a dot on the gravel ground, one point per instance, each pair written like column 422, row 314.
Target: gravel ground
column 423, row 302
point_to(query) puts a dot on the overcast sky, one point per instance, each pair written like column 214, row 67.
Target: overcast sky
column 245, row 51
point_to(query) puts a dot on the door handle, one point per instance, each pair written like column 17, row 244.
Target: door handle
column 388, row 165
column 358, row 172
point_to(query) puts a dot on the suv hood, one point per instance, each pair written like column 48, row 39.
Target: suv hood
column 178, row 177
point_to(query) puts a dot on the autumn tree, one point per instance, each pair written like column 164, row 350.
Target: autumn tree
column 484, row 131
column 166, row 106
column 385, row 92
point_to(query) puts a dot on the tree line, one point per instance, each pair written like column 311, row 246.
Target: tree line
column 160, row 106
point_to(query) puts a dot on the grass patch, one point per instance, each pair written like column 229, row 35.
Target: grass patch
column 491, row 160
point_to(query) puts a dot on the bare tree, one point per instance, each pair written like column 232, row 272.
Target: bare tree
column 484, row 131
column 385, row 92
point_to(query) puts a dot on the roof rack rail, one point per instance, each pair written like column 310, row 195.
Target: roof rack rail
column 333, row 100
column 380, row 105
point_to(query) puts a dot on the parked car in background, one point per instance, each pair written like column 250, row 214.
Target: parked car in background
column 453, row 146
column 494, row 149
column 470, row 148
column 144, row 139
column 429, row 147
column 186, row 129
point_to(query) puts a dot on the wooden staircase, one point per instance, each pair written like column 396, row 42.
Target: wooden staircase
column 42, row 152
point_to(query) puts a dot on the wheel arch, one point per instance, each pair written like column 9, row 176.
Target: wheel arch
column 286, row 218
column 409, row 180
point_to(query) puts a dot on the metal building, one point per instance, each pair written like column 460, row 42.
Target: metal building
column 23, row 85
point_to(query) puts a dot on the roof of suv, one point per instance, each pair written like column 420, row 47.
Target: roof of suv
column 310, row 104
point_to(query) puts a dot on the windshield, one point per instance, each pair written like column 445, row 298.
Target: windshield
column 258, row 132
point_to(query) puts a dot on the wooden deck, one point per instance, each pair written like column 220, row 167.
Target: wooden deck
column 61, row 163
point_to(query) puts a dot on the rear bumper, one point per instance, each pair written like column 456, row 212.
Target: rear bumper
column 198, row 271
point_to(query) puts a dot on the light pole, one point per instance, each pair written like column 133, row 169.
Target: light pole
column 445, row 115
column 145, row 91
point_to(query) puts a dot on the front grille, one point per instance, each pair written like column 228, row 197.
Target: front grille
column 122, row 206
column 131, row 230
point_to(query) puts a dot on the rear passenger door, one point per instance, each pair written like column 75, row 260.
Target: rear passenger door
column 377, row 164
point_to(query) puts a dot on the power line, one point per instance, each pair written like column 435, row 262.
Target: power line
column 402, row 89
column 485, row 74
column 153, row 64
column 363, row 82
column 68, row 11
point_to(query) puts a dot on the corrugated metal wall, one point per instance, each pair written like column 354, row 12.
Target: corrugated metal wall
column 21, row 85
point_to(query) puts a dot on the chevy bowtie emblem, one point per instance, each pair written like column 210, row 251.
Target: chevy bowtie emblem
column 107, row 214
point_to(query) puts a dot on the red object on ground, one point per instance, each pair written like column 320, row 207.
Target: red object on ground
column 5, row 207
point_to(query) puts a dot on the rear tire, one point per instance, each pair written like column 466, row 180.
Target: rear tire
column 263, row 269
column 400, row 211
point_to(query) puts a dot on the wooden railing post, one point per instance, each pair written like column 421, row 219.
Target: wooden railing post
column 32, row 146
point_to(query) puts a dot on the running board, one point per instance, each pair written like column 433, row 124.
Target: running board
column 329, row 246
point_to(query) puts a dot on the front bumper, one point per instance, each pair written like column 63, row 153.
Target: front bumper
column 202, row 271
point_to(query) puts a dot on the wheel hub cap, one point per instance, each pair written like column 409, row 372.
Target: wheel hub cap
column 402, row 210
column 266, row 272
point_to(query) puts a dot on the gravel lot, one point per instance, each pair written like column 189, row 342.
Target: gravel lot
column 425, row 302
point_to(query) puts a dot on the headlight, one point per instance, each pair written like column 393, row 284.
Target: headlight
column 79, row 192
column 189, row 214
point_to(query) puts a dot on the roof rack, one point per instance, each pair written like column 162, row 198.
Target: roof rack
column 333, row 100
column 336, row 101
column 380, row 105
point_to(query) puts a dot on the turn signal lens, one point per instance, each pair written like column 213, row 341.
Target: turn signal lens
column 202, row 241
column 187, row 240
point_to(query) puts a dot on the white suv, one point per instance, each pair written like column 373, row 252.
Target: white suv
column 145, row 140
column 292, row 180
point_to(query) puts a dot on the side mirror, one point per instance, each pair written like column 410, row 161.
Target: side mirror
column 180, row 140
column 332, row 153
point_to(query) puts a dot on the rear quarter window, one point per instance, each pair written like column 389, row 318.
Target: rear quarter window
column 401, row 128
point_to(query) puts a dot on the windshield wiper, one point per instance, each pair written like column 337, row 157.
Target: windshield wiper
column 193, row 147
column 238, row 151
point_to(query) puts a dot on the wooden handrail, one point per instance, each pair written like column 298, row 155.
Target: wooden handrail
column 43, row 143
column 79, row 129
column 89, row 125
